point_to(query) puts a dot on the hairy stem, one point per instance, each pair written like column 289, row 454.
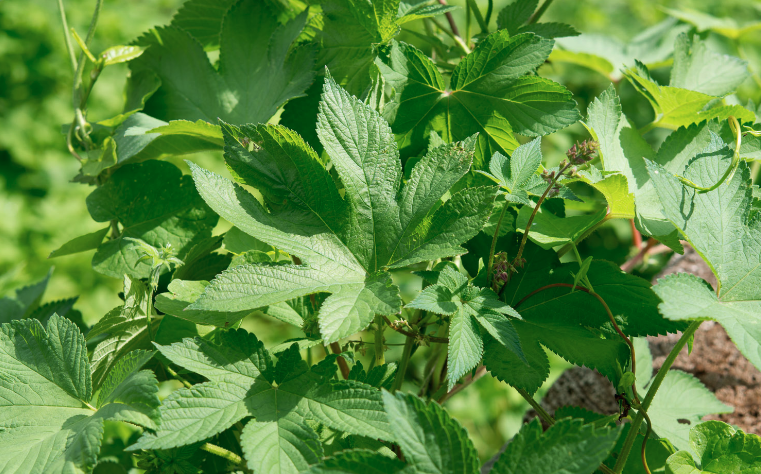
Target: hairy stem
column 178, row 377
column 450, row 19
column 490, row 268
column 654, row 386
column 380, row 358
column 223, row 453
column 442, row 340
column 537, row 407
column 342, row 365
column 406, row 354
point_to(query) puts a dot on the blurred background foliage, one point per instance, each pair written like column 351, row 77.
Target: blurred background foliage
column 40, row 209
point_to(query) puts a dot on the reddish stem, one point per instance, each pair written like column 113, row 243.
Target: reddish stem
column 636, row 236
column 450, row 19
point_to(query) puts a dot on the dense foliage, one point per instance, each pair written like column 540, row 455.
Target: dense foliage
column 380, row 183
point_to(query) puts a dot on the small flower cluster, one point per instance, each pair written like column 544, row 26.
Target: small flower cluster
column 578, row 155
column 499, row 270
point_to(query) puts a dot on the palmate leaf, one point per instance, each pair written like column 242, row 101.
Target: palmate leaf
column 569, row 446
column 49, row 420
column 720, row 449
column 344, row 244
column 469, row 307
column 260, row 68
column 243, row 381
column 490, row 93
column 718, row 224
column 155, row 203
column 697, row 68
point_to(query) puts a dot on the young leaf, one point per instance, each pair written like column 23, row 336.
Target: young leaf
column 82, row 243
column 468, row 306
column 490, row 93
column 155, row 203
column 430, row 440
column 345, row 245
column 720, row 448
column 703, row 219
column 260, row 69
column 244, row 382
column 568, row 446
column 49, row 423
column 517, row 174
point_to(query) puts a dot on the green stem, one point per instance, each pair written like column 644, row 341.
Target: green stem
column 456, row 38
column 178, row 377
column 223, row 453
column 489, row 11
column 67, row 39
column 403, row 363
column 380, row 358
column 648, row 127
column 654, row 386
column 537, row 407
column 735, row 126
column 81, row 62
column 490, row 269
column 538, row 14
column 480, row 19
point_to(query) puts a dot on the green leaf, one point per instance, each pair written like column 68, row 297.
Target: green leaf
column 203, row 20
column 344, row 245
column 155, row 203
column 703, row 21
column 720, row 449
column 517, row 174
column 25, row 302
column 121, row 54
column 672, row 418
column 133, row 391
column 516, row 14
column 48, row 423
column 468, row 306
column 574, row 343
column 721, row 215
column 430, row 440
column 631, row 299
column 358, row 461
column 82, row 243
column 550, row 30
column 697, row 68
column 125, row 329
column 568, row 446
column 136, row 138
column 548, row 230
column 350, row 36
column 183, row 293
column 140, row 87
column 244, row 382
column 623, row 150
column 490, row 93
column 609, row 56
column 411, row 12
column 677, row 107
column 260, row 67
